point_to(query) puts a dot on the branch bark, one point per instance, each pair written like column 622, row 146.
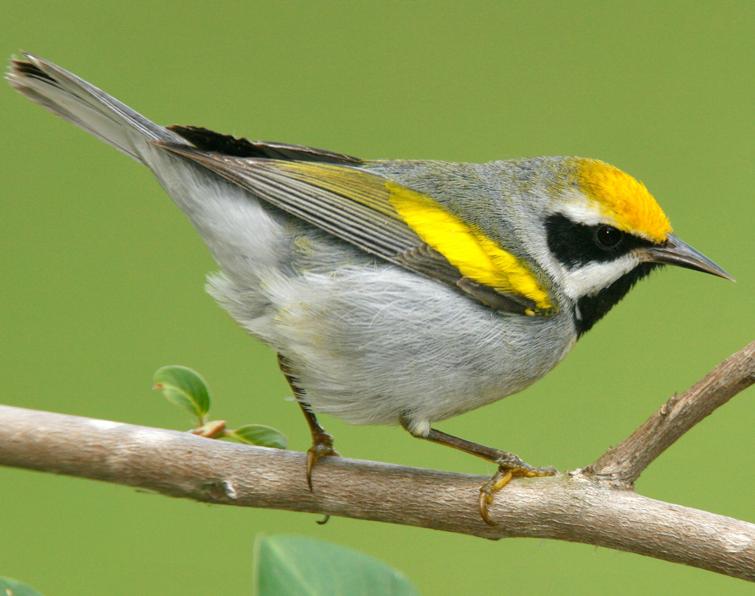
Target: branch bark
column 590, row 506
column 625, row 462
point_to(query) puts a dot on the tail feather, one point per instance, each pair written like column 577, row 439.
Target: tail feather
column 86, row 106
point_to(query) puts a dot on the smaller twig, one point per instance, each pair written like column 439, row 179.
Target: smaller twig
column 624, row 463
column 214, row 429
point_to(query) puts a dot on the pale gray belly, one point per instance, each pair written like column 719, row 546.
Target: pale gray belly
column 374, row 343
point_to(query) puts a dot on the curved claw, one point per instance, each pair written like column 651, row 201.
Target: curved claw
column 488, row 490
column 321, row 447
column 501, row 478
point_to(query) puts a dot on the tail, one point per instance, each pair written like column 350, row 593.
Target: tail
column 72, row 98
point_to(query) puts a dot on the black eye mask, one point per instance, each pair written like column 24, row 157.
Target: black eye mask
column 575, row 244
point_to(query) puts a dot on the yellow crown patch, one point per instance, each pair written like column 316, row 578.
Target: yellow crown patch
column 624, row 199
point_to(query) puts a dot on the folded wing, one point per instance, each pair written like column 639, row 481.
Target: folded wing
column 365, row 210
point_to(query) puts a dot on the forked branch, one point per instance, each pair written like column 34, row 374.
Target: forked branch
column 625, row 462
column 593, row 506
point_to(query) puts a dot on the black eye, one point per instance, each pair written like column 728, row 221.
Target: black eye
column 607, row 237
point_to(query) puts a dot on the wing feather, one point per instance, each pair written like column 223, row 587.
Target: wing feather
column 352, row 205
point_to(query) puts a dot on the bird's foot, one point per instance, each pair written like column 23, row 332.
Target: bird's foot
column 509, row 466
column 322, row 446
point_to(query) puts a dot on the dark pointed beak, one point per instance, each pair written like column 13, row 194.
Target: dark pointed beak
column 676, row 252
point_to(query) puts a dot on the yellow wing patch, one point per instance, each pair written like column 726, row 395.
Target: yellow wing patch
column 624, row 199
column 467, row 248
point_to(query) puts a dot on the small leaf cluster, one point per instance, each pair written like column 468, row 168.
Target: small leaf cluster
column 185, row 388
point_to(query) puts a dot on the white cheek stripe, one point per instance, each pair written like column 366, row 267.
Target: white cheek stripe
column 593, row 277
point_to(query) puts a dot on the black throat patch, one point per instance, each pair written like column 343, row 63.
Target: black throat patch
column 590, row 309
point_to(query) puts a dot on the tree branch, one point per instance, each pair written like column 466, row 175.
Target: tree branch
column 578, row 506
column 624, row 464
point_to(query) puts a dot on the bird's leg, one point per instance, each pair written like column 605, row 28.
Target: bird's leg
column 322, row 441
column 509, row 465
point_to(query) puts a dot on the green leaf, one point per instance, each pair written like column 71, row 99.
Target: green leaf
column 259, row 434
column 185, row 388
column 12, row 587
column 298, row 565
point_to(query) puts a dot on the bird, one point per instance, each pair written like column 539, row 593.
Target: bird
column 400, row 292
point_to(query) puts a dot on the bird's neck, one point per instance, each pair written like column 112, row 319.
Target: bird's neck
column 588, row 310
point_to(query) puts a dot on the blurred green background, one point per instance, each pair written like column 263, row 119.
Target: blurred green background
column 103, row 277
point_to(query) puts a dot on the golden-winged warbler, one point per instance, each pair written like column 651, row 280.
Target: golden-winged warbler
column 394, row 292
